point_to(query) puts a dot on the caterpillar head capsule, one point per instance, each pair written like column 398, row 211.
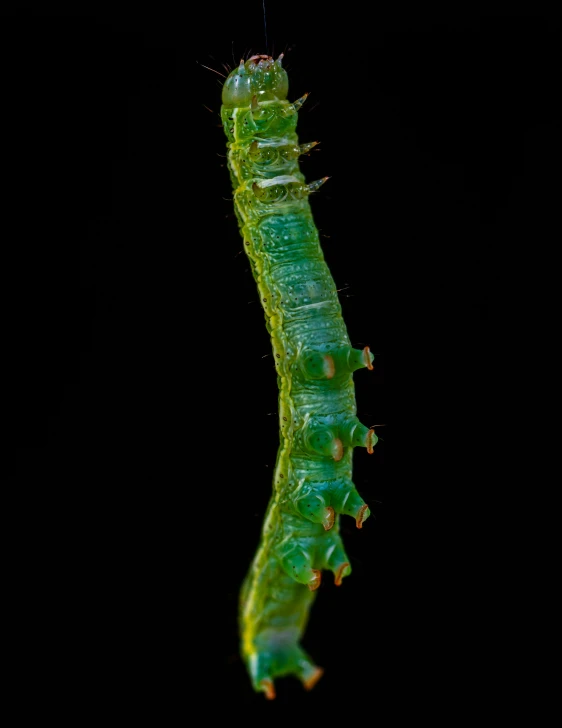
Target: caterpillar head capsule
column 260, row 76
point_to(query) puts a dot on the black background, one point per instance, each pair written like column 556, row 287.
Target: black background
column 145, row 428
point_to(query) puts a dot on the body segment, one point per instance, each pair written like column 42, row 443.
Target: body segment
column 314, row 360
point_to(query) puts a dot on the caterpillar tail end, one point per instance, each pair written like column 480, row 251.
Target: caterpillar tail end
column 279, row 662
column 308, row 678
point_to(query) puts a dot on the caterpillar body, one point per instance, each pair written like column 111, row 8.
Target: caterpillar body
column 314, row 360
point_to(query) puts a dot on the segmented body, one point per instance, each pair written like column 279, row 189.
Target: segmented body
column 314, row 361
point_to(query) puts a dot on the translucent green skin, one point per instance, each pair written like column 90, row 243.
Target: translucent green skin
column 314, row 361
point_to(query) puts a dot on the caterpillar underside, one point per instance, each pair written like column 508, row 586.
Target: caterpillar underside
column 314, row 359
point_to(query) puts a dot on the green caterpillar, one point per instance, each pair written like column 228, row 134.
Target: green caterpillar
column 314, row 361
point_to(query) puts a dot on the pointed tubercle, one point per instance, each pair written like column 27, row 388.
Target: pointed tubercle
column 296, row 105
column 304, row 148
column 313, row 186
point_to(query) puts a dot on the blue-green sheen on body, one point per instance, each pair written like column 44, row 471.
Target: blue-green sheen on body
column 314, row 362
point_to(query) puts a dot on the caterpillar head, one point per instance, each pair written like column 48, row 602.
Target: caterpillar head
column 261, row 77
